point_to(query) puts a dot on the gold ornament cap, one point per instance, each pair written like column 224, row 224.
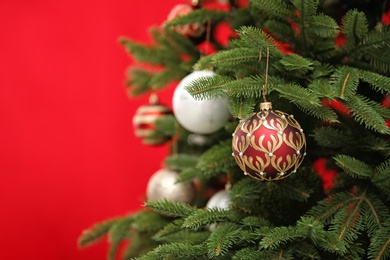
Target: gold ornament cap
column 265, row 106
column 194, row 2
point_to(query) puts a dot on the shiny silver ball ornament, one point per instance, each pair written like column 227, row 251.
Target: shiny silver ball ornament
column 163, row 185
column 220, row 200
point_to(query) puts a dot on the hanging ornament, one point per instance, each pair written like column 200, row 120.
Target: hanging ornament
column 192, row 30
column 163, row 185
column 144, row 122
column 220, row 200
column 268, row 145
column 199, row 116
column 198, row 140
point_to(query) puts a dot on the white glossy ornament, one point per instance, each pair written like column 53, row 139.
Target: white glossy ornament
column 162, row 185
column 204, row 116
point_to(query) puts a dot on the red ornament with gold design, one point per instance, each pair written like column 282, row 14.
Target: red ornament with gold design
column 144, row 122
column 269, row 145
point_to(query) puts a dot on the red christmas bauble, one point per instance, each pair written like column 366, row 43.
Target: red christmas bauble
column 144, row 122
column 193, row 30
column 269, row 145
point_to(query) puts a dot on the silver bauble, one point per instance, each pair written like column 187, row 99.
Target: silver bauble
column 220, row 200
column 162, row 185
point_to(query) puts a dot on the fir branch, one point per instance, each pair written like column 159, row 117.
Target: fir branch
column 138, row 81
column 325, row 209
column 353, row 166
column 306, row 101
column 179, row 251
column 323, row 26
column 235, row 57
column 346, row 80
column 241, row 107
column 140, row 244
column 334, row 245
column 222, row 239
column 205, row 62
column 255, row 222
column 295, row 189
column 322, row 88
column 304, row 250
column 322, row 70
column 376, row 144
column 306, row 9
column 379, row 59
column 312, row 229
column 171, row 208
column 251, row 87
column 256, row 39
column 374, row 213
column 296, row 63
column 161, row 79
column 181, row 161
column 332, row 137
column 246, row 190
column 209, row 216
column 217, row 159
column 141, row 52
column 200, row 15
column 148, row 221
column 380, row 243
column 170, row 228
column 365, row 111
column 251, row 253
column 186, row 236
column 375, row 39
column 208, row 87
column 279, row 236
column 188, row 175
column 281, row 30
column 165, row 126
column 96, row 232
column 182, row 43
column 374, row 47
column 274, row 9
column 348, row 222
column 117, row 234
column 377, row 82
column 354, row 26
column 381, row 178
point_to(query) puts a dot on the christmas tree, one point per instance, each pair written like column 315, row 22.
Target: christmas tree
column 279, row 133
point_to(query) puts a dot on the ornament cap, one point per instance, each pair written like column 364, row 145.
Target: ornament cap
column 194, row 2
column 265, row 106
column 153, row 99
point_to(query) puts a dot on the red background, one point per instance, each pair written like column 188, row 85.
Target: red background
column 68, row 154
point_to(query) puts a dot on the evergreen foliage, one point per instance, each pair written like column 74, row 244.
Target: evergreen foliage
column 335, row 90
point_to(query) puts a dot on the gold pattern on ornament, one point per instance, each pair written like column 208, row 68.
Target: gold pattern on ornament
column 241, row 144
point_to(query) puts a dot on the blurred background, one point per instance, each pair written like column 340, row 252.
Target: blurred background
column 68, row 154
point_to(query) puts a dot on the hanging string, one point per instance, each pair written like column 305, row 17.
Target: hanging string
column 175, row 139
column 208, row 33
column 264, row 88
